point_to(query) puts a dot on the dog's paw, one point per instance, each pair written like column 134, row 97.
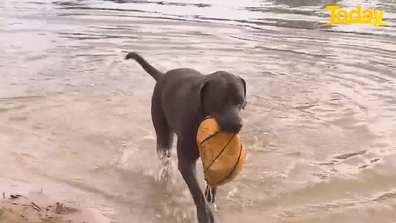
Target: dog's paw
column 214, row 206
column 205, row 216
column 163, row 153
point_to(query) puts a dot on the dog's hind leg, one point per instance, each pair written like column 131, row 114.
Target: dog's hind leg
column 162, row 129
column 164, row 137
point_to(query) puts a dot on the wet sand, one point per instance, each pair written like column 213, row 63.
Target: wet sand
column 19, row 203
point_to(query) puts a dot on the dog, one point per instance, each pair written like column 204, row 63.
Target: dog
column 180, row 101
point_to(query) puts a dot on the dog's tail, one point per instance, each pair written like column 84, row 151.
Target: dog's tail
column 146, row 66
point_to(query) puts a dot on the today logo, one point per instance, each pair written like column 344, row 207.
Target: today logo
column 348, row 17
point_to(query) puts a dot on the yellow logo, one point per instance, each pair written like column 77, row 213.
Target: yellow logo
column 348, row 17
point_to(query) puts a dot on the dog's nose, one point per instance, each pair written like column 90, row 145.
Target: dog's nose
column 229, row 123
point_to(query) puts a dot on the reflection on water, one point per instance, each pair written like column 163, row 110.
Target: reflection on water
column 319, row 128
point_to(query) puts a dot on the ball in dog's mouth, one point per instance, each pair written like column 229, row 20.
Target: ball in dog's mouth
column 222, row 153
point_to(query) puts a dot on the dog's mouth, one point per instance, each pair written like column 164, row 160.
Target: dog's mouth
column 229, row 123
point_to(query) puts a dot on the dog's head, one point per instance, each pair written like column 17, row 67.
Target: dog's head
column 223, row 96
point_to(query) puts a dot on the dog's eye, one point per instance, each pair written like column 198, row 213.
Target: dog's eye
column 244, row 104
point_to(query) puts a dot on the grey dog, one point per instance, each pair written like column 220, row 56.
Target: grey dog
column 181, row 100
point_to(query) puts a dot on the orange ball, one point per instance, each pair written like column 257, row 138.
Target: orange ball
column 223, row 154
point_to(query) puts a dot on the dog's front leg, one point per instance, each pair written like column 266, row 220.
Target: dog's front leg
column 188, row 171
column 186, row 164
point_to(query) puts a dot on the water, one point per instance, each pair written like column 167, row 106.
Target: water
column 320, row 124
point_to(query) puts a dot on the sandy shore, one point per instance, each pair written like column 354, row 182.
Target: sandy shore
column 34, row 206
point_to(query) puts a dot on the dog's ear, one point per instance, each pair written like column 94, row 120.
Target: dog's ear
column 202, row 93
column 244, row 91
column 202, row 87
column 244, row 84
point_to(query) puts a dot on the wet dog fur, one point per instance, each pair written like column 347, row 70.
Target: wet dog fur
column 181, row 99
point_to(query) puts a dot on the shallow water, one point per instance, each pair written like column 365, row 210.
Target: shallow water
column 320, row 124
